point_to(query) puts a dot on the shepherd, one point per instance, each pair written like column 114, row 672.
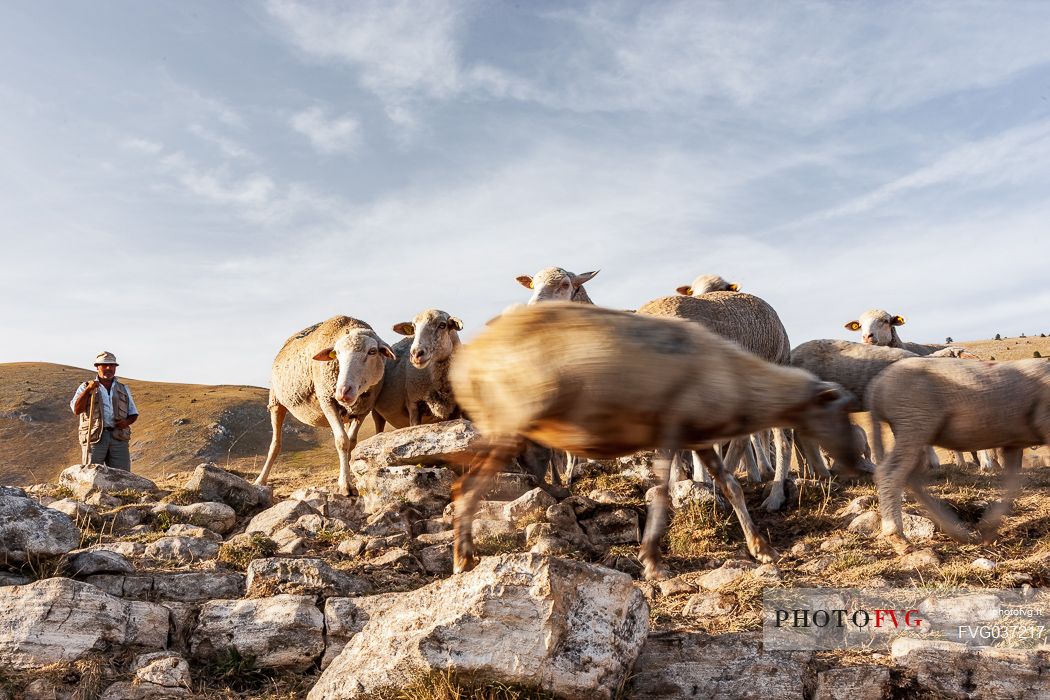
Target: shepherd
column 106, row 412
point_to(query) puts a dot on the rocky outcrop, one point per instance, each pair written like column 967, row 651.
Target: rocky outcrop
column 573, row 629
column 285, row 631
column 58, row 619
column 211, row 483
column 89, row 479
column 28, row 530
column 302, row 576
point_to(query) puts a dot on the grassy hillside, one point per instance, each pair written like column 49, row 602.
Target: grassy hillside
column 180, row 426
column 1009, row 348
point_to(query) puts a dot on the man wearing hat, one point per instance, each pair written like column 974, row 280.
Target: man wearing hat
column 106, row 412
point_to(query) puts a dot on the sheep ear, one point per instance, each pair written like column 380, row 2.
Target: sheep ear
column 584, row 277
column 734, row 287
column 455, row 323
column 897, row 321
column 685, row 289
column 524, row 281
column 326, row 355
column 386, row 352
column 853, row 326
column 405, row 328
column 827, row 393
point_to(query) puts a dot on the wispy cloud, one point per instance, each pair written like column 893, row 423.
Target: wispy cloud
column 328, row 135
column 228, row 147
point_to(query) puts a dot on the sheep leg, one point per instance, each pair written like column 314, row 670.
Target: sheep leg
column 656, row 519
column 760, row 444
column 932, row 458
column 960, row 458
column 570, row 468
column 379, row 422
column 413, row 413
column 734, row 453
column 814, row 458
column 989, row 525
column 277, row 415
column 466, row 493
column 775, row 500
column 935, row 508
column 783, row 441
column 890, row 478
column 699, row 472
column 678, row 467
column 344, row 454
column 756, row 543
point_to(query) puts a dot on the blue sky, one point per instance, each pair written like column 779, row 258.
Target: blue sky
column 189, row 183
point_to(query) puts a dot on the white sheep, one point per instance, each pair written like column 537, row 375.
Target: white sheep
column 327, row 374
column 879, row 327
column 707, row 283
column 604, row 383
column 754, row 325
column 415, row 386
column 557, row 284
column 959, row 406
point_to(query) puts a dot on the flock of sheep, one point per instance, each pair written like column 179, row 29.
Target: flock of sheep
column 706, row 369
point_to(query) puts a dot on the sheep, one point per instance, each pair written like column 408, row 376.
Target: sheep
column 749, row 321
column 329, row 373
column 707, row 283
column 960, row 406
column 556, row 284
column 416, row 386
column 878, row 327
column 604, row 383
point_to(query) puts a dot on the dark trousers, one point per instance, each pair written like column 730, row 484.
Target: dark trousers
column 112, row 453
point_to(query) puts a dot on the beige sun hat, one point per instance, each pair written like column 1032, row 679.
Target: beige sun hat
column 105, row 358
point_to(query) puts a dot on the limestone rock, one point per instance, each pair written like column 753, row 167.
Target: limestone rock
column 709, row 605
column 436, row 559
column 182, row 550
column 428, row 489
column 720, row 578
column 279, row 516
column 28, row 529
column 58, row 619
column 188, row 587
column 89, row 479
column 267, row 577
column 698, row 665
column 99, row 561
column 183, row 530
column 163, row 668
column 688, row 493
column 433, row 444
column 217, row 517
column 619, row 526
column 345, row 617
column 285, row 631
column 854, row 683
column 508, row 487
column 80, row 512
column 574, row 629
column 953, row 670
column 214, row 484
column 128, row 690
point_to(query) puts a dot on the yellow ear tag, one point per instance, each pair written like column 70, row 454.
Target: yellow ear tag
column 332, row 355
column 734, row 288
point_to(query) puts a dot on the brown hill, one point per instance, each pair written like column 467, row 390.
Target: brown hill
column 1009, row 348
column 181, row 425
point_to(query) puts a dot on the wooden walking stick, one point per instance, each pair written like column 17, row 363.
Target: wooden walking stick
column 91, row 417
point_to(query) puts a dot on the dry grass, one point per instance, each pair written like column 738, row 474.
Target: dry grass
column 450, row 686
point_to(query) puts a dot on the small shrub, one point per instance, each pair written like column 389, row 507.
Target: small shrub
column 1036, row 354
column 236, row 671
column 998, row 337
column 949, row 340
column 239, row 554
column 447, row 685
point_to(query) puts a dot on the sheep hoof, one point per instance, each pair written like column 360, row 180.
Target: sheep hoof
column 763, row 553
column 775, row 501
column 657, row 572
column 900, row 545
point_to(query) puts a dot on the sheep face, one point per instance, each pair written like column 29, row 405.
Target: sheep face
column 435, row 334
column 554, row 284
column 362, row 360
column 707, row 283
column 825, row 418
column 876, row 327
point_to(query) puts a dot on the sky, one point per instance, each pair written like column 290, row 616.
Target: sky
column 189, row 183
